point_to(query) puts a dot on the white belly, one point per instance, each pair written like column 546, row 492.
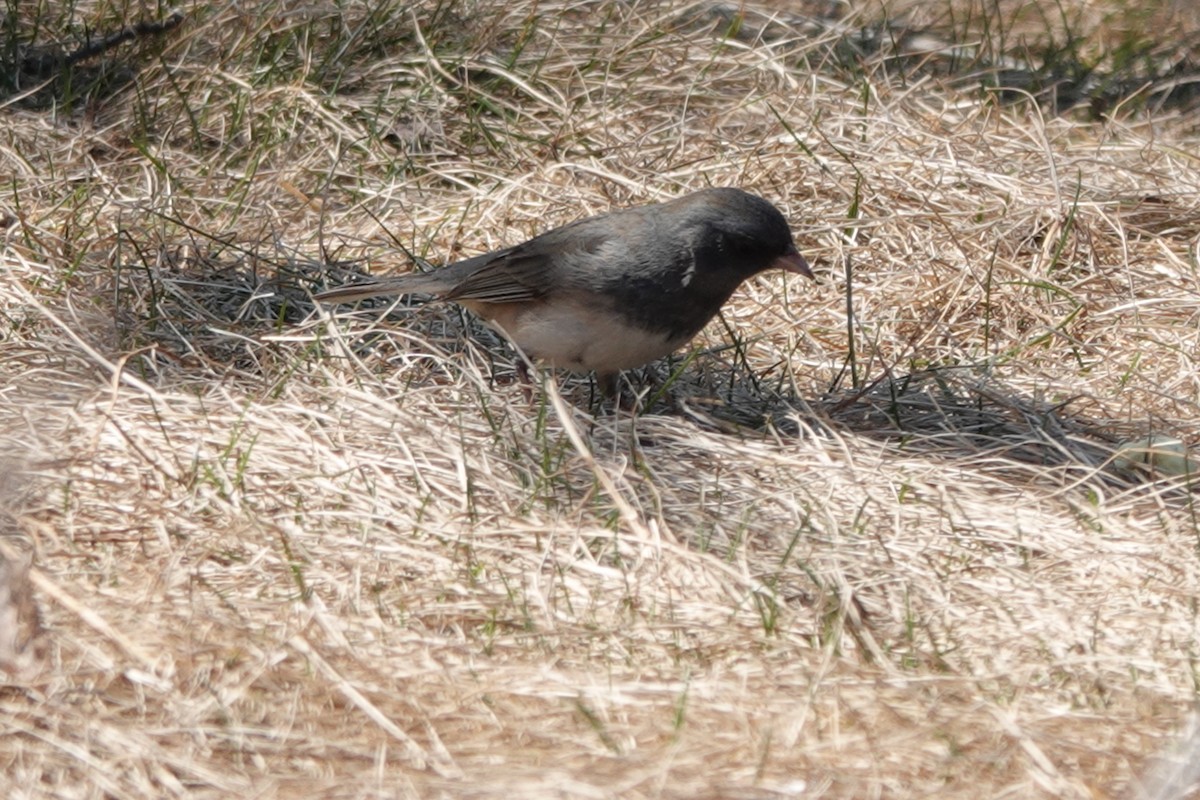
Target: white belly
column 576, row 337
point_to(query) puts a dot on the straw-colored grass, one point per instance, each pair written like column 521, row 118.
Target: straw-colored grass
column 278, row 552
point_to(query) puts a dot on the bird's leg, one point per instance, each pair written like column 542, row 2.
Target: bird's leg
column 609, row 383
column 526, row 379
column 610, row 388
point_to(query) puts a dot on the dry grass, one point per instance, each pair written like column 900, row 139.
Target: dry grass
column 280, row 554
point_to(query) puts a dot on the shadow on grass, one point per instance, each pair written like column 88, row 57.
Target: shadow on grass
column 51, row 76
column 955, row 413
column 959, row 410
column 963, row 414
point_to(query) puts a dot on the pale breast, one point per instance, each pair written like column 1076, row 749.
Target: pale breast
column 575, row 336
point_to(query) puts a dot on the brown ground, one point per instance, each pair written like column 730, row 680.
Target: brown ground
column 277, row 553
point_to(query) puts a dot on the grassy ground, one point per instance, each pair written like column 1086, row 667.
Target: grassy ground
column 872, row 540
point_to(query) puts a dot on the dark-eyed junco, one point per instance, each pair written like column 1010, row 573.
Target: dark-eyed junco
column 617, row 290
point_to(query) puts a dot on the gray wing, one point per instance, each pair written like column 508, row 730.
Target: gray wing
column 556, row 259
column 530, row 271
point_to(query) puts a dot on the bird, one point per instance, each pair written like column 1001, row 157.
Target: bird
column 614, row 291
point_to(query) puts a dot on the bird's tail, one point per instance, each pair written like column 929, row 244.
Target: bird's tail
column 416, row 283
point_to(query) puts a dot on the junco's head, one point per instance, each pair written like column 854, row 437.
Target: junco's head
column 746, row 231
column 614, row 291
